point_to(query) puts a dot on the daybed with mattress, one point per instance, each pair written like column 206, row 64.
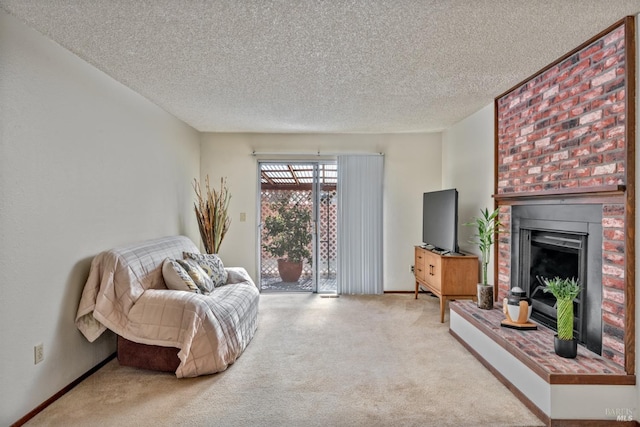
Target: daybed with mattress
column 208, row 326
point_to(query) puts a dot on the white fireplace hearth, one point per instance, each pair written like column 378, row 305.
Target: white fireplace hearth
column 554, row 388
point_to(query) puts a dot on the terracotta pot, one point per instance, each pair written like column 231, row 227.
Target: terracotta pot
column 289, row 271
column 485, row 296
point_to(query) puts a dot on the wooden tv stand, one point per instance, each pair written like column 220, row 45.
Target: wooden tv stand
column 449, row 277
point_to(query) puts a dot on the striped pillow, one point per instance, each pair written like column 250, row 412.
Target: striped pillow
column 176, row 278
column 212, row 264
column 197, row 274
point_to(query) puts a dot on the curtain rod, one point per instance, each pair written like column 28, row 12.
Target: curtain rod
column 317, row 153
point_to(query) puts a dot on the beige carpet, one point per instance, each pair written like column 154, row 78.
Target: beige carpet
column 348, row 361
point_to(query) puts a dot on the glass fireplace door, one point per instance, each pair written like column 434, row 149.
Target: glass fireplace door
column 546, row 255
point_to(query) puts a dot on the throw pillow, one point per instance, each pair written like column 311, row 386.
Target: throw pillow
column 212, row 264
column 199, row 276
column 176, row 278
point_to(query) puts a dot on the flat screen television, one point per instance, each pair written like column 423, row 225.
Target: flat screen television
column 440, row 220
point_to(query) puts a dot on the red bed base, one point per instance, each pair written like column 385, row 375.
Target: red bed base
column 145, row 356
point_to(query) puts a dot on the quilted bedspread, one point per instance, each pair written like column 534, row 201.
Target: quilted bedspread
column 125, row 292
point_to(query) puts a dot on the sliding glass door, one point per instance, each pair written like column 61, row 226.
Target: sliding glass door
column 297, row 226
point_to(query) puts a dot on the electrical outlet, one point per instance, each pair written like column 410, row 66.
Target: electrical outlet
column 38, row 353
column 243, row 216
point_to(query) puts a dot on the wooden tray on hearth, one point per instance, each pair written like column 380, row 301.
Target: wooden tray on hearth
column 528, row 326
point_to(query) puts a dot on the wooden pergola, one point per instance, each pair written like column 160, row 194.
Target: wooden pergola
column 297, row 176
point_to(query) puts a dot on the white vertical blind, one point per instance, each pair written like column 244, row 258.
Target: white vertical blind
column 360, row 224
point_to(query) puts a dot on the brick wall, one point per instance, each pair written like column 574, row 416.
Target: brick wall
column 613, row 297
column 565, row 129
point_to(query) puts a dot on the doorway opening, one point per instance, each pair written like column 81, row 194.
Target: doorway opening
column 298, row 226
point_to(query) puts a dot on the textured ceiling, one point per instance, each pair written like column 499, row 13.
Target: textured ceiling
column 320, row 66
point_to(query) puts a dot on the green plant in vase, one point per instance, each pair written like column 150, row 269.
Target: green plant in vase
column 289, row 237
column 487, row 225
column 565, row 290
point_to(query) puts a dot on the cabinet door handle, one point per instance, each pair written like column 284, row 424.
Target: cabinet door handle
column 431, row 269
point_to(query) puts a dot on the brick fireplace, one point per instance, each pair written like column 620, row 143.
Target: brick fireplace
column 564, row 185
column 566, row 137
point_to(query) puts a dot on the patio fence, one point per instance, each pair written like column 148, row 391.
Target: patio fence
column 328, row 226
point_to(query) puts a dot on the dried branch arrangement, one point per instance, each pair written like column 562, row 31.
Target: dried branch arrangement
column 212, row 214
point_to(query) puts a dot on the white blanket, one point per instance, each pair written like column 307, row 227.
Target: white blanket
column 125, row 293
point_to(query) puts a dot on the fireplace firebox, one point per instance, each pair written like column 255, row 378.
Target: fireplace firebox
column 545, row 255
column 560, row 240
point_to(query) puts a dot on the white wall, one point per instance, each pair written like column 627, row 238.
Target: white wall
column 85, row 164
column 412, row 165
column 467, row 164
